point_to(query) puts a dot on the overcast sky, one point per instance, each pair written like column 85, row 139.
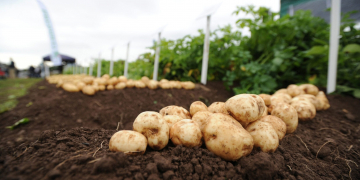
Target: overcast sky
column 84, row 29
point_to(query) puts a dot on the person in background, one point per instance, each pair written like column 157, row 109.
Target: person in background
column 31, row 72
column 12, row 69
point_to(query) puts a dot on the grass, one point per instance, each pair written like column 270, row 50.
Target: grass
column 11, row 89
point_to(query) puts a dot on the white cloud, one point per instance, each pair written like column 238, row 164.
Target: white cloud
column 85, row 28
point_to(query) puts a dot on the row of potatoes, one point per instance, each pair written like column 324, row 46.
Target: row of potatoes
column 90, row 85
column 229, row 129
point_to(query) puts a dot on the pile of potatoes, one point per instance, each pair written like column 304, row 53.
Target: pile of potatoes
column 229, row 129
column 90, row 85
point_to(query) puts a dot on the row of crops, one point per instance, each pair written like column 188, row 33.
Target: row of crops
column 280, row 51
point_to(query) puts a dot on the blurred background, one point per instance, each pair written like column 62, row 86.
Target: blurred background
column 255, row 46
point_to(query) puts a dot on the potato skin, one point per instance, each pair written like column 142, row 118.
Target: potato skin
column 278, row 124
column 88, row 90
column 266, row 98
column 324, row 102
column 294, row 90
column 309, row 97
column 172, row 119
column 80, row 84
column 188, row 85
column 306, row 111
column 175, row 84
column 280, row 97
column 145, row 79
column 70, row 87
column 187, row 133
column 225, row 137
column 285, row 91
column 165, row 85
column 201, row 118
column 288, row 114
column 140, row 84
column 264, row 136
column 152, row 84
column 122, row 79
column 130, row 83
column 127, row 141
column 218, row 107
column 153, row 126
column 175, row 110
column 106, row 76
column 309, row 89
column 101, row 87
column 196, row 107
column 245, row 108
column 120, row 85
column 110, row 87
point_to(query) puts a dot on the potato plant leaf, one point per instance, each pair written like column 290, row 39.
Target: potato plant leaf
column 21, row 121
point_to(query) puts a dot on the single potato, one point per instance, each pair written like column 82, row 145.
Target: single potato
column 196, row 107
column 266, row 99
column 201, row 118
column 105, row 76
column 110, row 87
column 88, row 80
column 122, row 79
column 172, row 119
column 187, row 133
column 309, row 89
column 264, row 135
column 140, row 84
column 288, row 114
column 130, row 83
column 309, row 97
column 175, row 110
column 153, row 126
column 225, row 137
column 306, row 111
column 175, row 84
column 88, row 90
column 188, row 85
column 218, row 107
column 152, row 84
column 278, row 124
column 324, row 102
column 285, row 91
column 145, row 80
column 70, row 87
column 294, row 90
column 101, row 87
column 120, row 85
column 165, row 85
column 129, row 142
column 245, row 108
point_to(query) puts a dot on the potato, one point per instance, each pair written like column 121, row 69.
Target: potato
column 294, row 90
column 153, row 126
column 122, row 79
column 101, row 81
column 306, row 111
column 140, row 84
column 112, row 81
column 278, row 124
column 197, row 106
column 164, row 81
column 309, row 97
column 309, row 89
column 88, row 80
column 110, row 87
column 266, row 99
column 88, row 90
column 225, row 137
column 130, row 83
column 70, row 87
column 288, row 114
column 201, row 118
column 264, row 136
column 280, row 97
column 120, row 85
column 175, row 84
column 145, row 80
column 80, row 84
column 265, row 112
column 59, row 83
column 218, row 107
column 101, row 87
column 324, row 102
column 105, row 76
column 188, row 85
column 165, row 85
column 152, row 84
column 129, row 142
column 285, row 91
column 175, row 110
column 245, row 108
column 172, row 119
column 96, row 88
column 187, row 133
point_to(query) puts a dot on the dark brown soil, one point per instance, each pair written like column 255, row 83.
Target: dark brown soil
column 68, row 134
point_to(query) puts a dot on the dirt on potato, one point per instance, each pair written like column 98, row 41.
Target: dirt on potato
column 68, row 135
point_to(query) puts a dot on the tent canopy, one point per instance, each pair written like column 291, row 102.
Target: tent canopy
column 64, row 58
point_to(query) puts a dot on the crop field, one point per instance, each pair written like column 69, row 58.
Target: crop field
column 68, row 134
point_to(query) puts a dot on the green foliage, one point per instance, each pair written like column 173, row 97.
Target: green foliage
column 21, row 121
